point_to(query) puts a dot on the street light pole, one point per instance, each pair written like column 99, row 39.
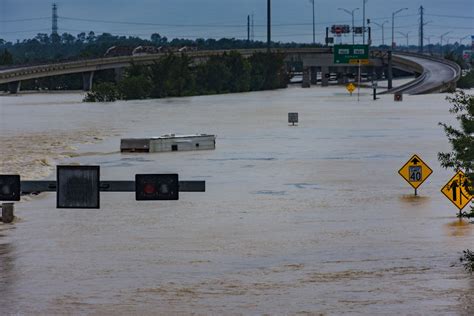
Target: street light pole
column 441, row 42
column 352, row 14
column 462, row 38
column 393, row 26
column 405, row 35
column 363, row 20
column 383, row 32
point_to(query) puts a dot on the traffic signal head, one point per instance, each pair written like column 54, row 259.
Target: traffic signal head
column 10, row 188
column 152, row 187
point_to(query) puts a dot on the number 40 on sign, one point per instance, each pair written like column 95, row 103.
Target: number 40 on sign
column 415, row 172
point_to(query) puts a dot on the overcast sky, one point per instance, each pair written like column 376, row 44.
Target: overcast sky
column 292, row 19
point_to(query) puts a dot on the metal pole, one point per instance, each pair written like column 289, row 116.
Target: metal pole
column 269, row 23
column 358, row 85
column 441, row 43
column 393, row 26
column 363, row 21
column 421, row 30
column 383, row 35
column 314, row 27
column 248, row 28
column 390, row 69
column 393, row 30
column 353, row 41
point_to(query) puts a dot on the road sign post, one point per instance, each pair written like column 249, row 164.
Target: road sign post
column 415, row 172
column 457, row 190
column 293, row 118
column 350, row 87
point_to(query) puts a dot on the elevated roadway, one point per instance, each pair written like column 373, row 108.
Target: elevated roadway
column 435, row 74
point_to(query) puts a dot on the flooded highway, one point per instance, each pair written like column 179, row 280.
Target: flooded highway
column 312, row 219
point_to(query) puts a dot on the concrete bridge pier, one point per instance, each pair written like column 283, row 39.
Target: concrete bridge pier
column 119, row 74
column 306, row 77
column 14, row 87
column 325, row 76
column 378, row 72
column 341, row 75
column 314, row 75
column 87, row 78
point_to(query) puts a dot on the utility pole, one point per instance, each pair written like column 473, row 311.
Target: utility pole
column 248, row 28
column 269, row 25
column 314, row 27
column 421, row 30
column 363, row 20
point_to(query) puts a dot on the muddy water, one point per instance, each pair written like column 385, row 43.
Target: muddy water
column 307, row 219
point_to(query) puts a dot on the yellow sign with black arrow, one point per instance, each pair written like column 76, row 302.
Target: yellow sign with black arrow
column 457, row 190
column 350, row 87
column 415, row 172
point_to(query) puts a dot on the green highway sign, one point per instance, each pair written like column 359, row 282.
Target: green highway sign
column 351, row 54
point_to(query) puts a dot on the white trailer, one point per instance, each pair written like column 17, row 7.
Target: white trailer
column 170, row 142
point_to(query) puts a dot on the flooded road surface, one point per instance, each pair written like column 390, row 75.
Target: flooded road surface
column 311, row 219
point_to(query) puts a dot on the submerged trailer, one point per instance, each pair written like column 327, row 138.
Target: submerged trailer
column 170, row 142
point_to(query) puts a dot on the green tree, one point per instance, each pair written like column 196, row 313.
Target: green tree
column 462, row 140
column 6, row 58
column 103, row 92
column 136, row 87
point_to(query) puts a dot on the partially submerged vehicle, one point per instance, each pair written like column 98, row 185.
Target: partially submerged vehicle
column 169, row 142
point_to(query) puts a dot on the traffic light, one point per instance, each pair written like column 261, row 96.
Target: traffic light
column 10, row 188
column 152, row 187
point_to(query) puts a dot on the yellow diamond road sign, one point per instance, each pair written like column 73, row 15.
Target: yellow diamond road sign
column 457, row 190
column 415, row 171
column 350, row 87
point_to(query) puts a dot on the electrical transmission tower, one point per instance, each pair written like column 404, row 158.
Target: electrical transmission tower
column 55, row 20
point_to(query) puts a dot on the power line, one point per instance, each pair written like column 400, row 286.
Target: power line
column 452, row 16
column 24, row 20
column 25, row 31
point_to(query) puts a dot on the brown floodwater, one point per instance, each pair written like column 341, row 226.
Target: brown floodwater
column 312, row 219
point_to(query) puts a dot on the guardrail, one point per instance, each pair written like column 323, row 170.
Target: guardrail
column 46, row 70
column 443, row 86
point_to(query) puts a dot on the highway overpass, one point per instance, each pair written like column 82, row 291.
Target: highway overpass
column 434, row 74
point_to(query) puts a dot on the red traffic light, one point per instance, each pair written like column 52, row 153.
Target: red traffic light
column 151, row 187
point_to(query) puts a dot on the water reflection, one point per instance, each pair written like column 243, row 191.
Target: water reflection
column 7, row 268
column 458, row 228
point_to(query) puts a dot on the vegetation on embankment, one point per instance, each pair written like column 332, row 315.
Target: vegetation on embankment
column 466, row 81
column 462, row 140
column 468, row 260
column 176, row 76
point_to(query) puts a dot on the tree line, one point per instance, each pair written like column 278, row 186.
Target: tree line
column 176, row 75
